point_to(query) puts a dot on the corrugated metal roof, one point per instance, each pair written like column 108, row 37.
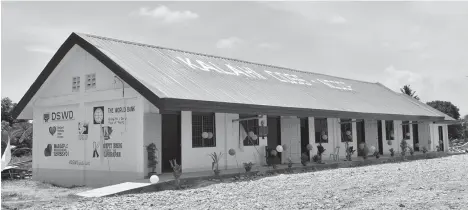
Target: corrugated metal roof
column 178, row 74
column 430, row 108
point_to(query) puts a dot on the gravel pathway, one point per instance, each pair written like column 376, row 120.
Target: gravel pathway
column 423, row 184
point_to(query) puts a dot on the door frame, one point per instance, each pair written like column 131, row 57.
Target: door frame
column 165, row 165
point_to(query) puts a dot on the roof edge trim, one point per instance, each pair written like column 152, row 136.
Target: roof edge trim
column 100, row 56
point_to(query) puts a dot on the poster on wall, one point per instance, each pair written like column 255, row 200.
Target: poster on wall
column 83, row 130
column 98, row 115
column 56, row 150
column 57, row 131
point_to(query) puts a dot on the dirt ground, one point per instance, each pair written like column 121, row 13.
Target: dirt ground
column 422, row 184
column 24, row 194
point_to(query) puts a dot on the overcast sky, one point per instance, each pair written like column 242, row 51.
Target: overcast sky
column 424, row 44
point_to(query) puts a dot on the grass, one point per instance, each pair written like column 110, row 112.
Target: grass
column 26, row 193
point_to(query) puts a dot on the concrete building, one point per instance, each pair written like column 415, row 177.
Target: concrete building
column 100, row 101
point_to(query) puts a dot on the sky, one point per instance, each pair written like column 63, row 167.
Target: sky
column 423, row 44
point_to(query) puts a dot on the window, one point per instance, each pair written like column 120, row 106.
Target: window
column 90, row 81
column 346, row 130
column 405, row 128
column 389, row 132
column 76, row 84
column 321, row 130
column 203, row 130
column 248, row 130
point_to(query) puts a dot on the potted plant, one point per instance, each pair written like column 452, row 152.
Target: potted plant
column 290, row 163
column 392, row 152
column 152, row 158
column 377, row 154
column 365, row 150
column 304, row 159
column 320, row 151
column 215, row 164
column 177, row 171
column 248, row 166
column 411, row 151
column 404, row 148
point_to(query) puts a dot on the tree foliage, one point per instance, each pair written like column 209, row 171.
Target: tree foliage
column 408, row 91
column 454, row 131
column 446, row 107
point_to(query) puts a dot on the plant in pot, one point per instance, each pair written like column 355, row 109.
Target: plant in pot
column 320, row 148
column 152, row 158
column 274, row 153
column 290, row 163
column 424, row 150
column 248, row 166
column 304, row 159
column 349, row 149
column 404, row 148
column 365, row 151
column 411, row 151
column 215, row 164
column 377, row 154
column 177, row 171
column 392, row 152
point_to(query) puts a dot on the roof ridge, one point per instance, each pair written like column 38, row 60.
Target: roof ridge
column 215, row 56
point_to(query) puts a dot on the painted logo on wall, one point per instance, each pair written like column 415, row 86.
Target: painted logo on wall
column 48, row 150
column 98, row 115
column 83, row 130
column 46, row 117
column 58, row 116
column 52, row 130
column 57, row 149
column 59, row 130
column 106, row 132
column 95, row 150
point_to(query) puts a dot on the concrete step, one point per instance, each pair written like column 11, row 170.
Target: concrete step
column 112, row 189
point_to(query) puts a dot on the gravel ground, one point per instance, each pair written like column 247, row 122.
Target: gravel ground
column 423, row 184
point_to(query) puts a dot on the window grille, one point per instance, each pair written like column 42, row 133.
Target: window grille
column 203, row 130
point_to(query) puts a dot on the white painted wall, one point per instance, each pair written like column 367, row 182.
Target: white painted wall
column 79, row 167
column 227, row 137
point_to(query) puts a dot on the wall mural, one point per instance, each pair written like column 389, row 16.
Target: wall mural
column 116, row 119
column 83, row 128
column 234, row 70
column 58, row 116
column 56, row 150
column 98, row 115
column 57, row 131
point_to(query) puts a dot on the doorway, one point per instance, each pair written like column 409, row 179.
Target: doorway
column 305, row 136
column 274, row 137
column 416, row 136
column 361, row 135
column 171, row 141
column 379, row 136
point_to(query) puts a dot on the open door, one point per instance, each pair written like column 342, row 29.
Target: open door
column 415, row 136
column 305, row 136
column 274, row 137
column 171, row 140
column 379, row 136
column 361, row 135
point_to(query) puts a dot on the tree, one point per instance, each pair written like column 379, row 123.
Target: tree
column 446, row 107
column 408, row 91
column 7, row 106
column 454, row 131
